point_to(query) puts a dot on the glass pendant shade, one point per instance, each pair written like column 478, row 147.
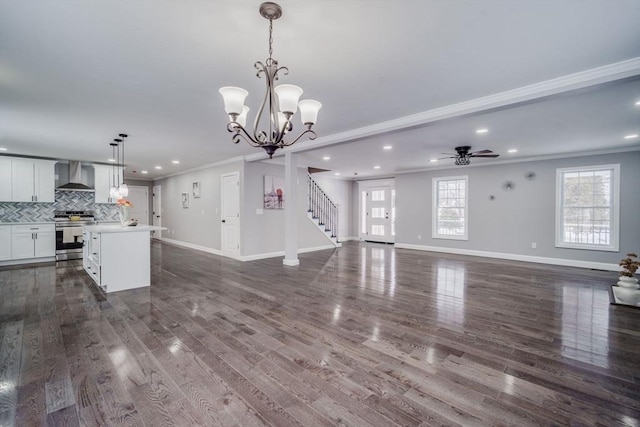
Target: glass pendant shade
column 282, row 119
column 288, row 96
column 123, row 190
column 114, row 193
column 233, row 99
column 242, row 118
column 309, row 111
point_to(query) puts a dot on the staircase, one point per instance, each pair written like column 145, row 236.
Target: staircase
column 322, row 211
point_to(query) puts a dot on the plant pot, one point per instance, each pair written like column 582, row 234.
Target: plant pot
column 123, row 212
column 627, row 282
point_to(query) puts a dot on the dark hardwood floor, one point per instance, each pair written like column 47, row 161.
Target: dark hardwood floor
column 363, row 335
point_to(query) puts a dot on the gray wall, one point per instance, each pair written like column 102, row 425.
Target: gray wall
column 265, row 233
column 200, row 223
column 515, row 219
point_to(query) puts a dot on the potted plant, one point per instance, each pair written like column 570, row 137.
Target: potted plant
column 629, row 265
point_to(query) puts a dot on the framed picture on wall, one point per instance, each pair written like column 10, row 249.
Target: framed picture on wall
column 185, row 200
column 273, row 192
column 196, row 190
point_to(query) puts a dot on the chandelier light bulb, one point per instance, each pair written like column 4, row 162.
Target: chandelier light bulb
column 288, row 96
column 233, row 99
column 309, row 111
column 242, row 118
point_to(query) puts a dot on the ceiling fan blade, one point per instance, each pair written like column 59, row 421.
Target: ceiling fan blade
column 483, row 152
column 485, row 155
column 450, row 157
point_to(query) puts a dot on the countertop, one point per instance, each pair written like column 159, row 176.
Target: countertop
column 117, row 228
column 28, row 223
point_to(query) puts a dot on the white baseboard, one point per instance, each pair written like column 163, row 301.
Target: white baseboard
column 281, row 253
column 191, row 246
column 241, row 257
column 26, row 261
column 514, row 257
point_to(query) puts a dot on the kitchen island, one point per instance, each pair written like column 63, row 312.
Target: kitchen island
column 116, row 257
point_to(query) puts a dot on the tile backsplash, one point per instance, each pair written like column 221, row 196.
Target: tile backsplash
column 65, row 201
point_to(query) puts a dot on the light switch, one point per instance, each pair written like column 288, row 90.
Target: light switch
column 259, row 211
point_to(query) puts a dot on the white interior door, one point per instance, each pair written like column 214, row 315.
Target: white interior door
column 379, row 215
column 156, row 210
column 139, row 197
column 230, row 215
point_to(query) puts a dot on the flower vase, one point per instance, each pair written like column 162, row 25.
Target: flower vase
column 123, row 212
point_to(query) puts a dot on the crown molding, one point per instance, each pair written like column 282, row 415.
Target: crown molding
column 207, row 166
column 571, row 82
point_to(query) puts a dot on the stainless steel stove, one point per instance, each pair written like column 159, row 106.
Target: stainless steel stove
column 69, row 233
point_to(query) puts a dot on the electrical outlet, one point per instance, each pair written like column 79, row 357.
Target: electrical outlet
column 1, row 211
column 534, row 245
column 419, row 236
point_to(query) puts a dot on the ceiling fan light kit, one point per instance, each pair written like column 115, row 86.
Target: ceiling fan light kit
column 282, row 102
column 463, row 155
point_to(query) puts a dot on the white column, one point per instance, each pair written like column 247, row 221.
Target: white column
column 291, row 209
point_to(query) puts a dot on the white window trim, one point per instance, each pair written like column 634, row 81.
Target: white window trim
column 614, row 245
column 434, row 208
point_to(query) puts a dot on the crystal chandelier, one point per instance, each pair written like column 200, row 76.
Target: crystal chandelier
column 285, row 96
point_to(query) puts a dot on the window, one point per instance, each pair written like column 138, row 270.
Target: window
column 587, row 214
column 450, row 207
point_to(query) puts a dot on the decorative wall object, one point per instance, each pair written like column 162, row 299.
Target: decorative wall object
column 508, row 185
column 185, row 200
column 273, row 192
column 196, row 190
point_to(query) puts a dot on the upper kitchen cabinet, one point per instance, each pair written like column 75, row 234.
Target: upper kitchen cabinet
column 5, row 179
column 104, row 180
column 27, row 180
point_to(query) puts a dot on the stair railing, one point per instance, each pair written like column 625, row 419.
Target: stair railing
column 321, row 207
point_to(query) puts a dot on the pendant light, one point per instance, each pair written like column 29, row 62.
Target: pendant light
column 122, row 188
column 113, row 191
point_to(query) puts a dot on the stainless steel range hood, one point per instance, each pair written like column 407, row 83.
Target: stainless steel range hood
column 75, row 179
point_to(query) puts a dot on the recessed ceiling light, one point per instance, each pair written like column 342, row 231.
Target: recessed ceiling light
column 433, row 160
column 637, row 102
column 112, row 160
column 144, row 172
column 635, row 135
column 387, row 147
column 376, row 167
column 337, row 174
column 326, row 158
column 175, row 162
column 158, row 167
column 482, row 130
column 3, row 149
column 513, row 150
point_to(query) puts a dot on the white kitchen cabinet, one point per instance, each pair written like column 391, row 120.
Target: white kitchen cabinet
column 104, row 180
column 5, row 179
column 5, row 242
column 32, row 180
column 33, row 241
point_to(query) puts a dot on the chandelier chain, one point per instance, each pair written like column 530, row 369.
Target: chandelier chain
column 270, row 39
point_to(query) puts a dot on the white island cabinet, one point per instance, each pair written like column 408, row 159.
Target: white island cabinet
column 117, row 257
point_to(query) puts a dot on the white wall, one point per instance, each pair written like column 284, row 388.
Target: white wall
column 515, row 219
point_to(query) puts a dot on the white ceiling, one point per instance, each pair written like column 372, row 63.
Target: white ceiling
column 74, row 74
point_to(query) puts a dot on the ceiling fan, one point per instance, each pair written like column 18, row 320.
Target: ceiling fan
column 463, row 155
